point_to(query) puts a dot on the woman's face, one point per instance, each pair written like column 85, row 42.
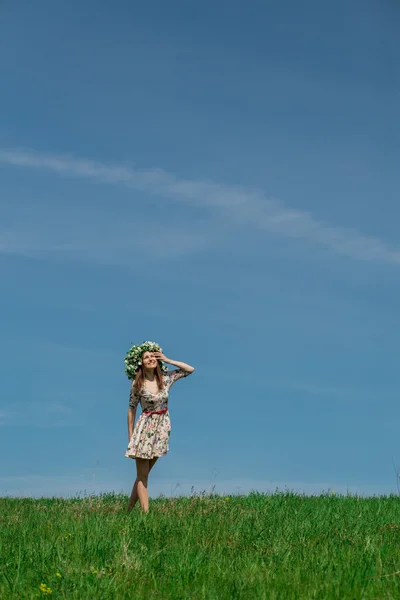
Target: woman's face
column 148, row 360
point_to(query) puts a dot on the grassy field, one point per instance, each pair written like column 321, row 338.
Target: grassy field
column 257, row 546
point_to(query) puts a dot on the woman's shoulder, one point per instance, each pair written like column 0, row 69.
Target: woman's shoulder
column 169, row 375
column 137, row 392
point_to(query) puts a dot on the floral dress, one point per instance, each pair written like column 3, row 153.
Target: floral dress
column 150, row 436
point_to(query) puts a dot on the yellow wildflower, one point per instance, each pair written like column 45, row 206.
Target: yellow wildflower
column 45, row 589
column 58, row 574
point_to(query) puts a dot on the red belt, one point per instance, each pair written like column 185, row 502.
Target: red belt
column 155, row 412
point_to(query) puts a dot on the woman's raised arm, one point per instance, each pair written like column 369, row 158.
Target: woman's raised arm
column 174, row 363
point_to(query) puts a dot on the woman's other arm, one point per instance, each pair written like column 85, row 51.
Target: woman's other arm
column 133, row 402
column 131, row 421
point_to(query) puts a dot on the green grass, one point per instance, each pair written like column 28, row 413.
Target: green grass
column 257, row 546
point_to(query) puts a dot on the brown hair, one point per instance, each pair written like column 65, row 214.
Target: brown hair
column 139, row 379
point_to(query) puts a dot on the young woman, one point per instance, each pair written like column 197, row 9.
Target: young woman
column 148, row 439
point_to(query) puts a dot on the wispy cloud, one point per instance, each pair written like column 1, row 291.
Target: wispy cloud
column 241, row 204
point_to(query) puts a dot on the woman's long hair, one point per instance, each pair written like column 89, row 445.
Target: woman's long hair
column 139, row 379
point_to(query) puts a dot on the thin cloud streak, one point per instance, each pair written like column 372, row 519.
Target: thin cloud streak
column 241, row 204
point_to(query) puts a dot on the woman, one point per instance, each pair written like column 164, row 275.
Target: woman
column 148, row 440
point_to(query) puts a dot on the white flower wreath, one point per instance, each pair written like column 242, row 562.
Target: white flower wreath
column 134, row 358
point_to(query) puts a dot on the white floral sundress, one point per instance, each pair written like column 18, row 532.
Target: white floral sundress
column 150, row 436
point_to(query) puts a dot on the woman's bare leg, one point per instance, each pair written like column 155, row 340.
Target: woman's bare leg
column 142, row 468
column 134, row 495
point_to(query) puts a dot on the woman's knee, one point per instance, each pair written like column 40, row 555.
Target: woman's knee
column 143, row 477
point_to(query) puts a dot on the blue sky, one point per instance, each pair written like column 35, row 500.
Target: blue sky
column 221, row 178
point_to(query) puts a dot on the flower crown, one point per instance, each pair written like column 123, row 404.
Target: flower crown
column 133, row 359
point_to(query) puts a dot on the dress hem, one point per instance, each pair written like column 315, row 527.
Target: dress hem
column 146, row 457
